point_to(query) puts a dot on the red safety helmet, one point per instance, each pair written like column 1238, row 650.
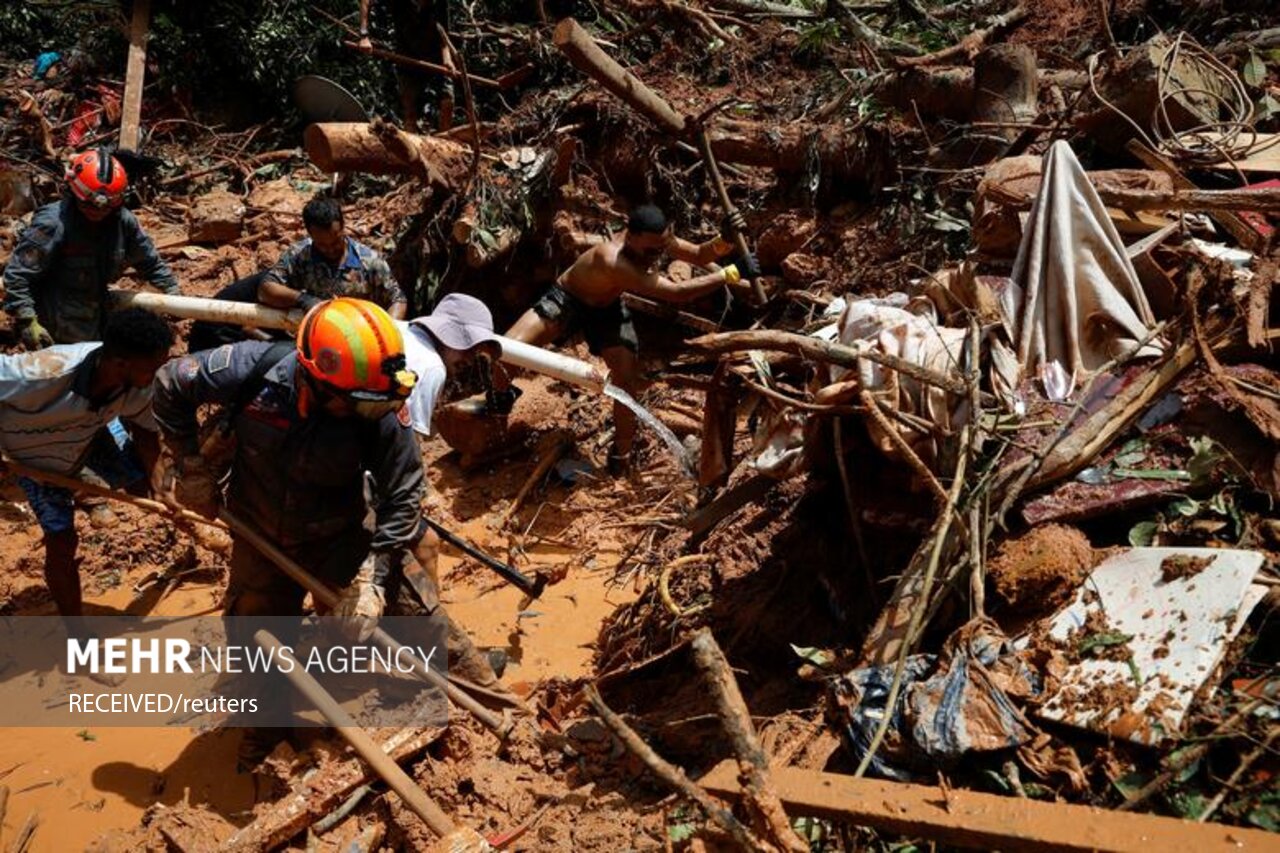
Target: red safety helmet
column 97, row 180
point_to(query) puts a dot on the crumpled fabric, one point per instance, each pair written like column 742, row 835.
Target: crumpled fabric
column 952, row 704
column 915, row 337
column 1081, row 303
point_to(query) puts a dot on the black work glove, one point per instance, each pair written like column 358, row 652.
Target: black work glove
column 307, row 301
column 748, row 266
column 501, row 402
column 733, row 223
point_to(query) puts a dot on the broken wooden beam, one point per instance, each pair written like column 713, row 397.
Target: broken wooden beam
column 135, row 74
column 985, row 821
column 321, row 794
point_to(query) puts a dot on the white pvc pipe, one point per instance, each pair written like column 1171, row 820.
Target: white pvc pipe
column 213, row 310
column 518, row 354
column 554, row 364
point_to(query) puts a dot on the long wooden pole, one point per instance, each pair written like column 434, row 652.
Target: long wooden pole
column 135, row 74
column 328, row 598
column 76, row 485
column 413, row 795
column 739, row 239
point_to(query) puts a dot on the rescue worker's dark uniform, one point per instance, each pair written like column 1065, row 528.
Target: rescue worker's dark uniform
column 63, row 263
column 300, row 480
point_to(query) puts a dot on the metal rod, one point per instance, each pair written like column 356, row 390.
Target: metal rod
column 530, row 586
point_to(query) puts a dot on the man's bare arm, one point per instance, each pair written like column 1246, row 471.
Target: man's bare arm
column 662, row 288
column 364, row 24
column 700, row 254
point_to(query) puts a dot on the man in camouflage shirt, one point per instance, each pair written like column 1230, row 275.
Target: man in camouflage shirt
column 328, row 264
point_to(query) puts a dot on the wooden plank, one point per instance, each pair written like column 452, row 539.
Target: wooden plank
column 1263, row 154
column 986, row 821
column 135, row 73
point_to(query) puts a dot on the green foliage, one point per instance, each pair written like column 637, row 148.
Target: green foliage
column 816, row 39
column 31, row 28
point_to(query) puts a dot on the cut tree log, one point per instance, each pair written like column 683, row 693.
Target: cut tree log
column 360, row 147
column 324, row 792
column 1006, row 85
column 986, row 821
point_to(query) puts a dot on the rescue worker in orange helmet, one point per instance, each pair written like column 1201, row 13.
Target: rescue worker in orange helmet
column 311, row 421
column 57, row 277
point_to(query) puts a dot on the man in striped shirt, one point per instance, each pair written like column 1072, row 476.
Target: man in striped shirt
column 63, row 410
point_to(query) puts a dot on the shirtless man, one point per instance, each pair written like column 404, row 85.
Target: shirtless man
column 588, row 297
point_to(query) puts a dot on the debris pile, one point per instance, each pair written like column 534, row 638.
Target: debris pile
column 970, row 489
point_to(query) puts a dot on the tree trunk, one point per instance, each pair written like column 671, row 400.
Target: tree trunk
column 383, row 150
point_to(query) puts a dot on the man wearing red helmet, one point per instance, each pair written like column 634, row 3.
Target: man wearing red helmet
column 56, row 280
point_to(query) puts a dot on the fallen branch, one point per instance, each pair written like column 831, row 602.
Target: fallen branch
column 875, row 652
column 1234, row 779
column 872, row 405
column 964, row 50
column 820, row 350
column 672, row 775
column 753, row 765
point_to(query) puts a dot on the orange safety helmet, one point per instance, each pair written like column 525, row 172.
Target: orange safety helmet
column 352, row 347
column 97, row 180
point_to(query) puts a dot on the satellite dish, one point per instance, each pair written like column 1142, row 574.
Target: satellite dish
column 321, row 100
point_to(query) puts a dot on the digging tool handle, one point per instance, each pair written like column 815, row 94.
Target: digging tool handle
column 531, row 587
column 327, row 597
column 414, row 797
column 64, row 482
column 739, row 240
